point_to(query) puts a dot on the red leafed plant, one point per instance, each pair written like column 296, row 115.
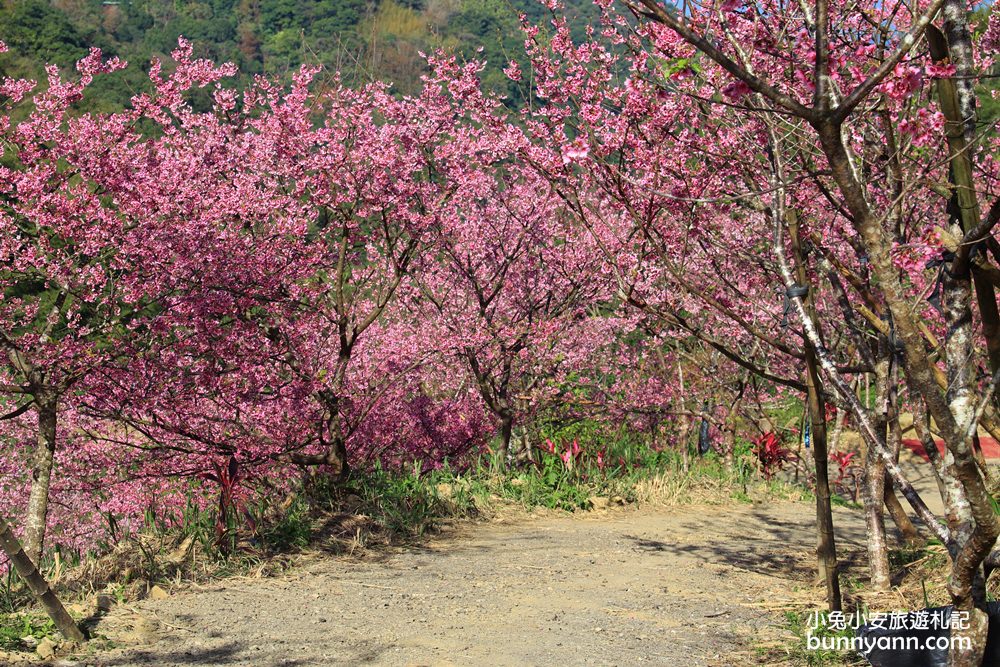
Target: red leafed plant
column 845, row 471
column 228, row 477
column 770, row 453
column 843, row 461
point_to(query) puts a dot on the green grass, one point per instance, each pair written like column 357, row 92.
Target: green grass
column 899, row 558
column 13, row 596
column 800, row 625
column 407, row 502
column 410, row 500
column 838, row 500
column 291, row 530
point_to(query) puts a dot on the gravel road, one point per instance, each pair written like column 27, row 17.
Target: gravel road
column 692, row 586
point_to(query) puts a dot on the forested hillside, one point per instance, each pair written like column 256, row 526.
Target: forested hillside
column 363, row 39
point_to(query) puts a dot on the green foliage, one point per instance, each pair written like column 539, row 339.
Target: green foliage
column 787, row 415
column 409, row 502
column 35, row 27
column 363, row 40
column 384, row 506
column 988, row 90
column 549, row 485
column 279, row 15
column 839, row 501
column 799, row 624
column 406, row 502
column 12, row 594
column 15, row 626
column 291, row 531
column 282, row 50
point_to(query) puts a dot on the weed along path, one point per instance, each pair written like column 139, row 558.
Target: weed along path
column 694, row 585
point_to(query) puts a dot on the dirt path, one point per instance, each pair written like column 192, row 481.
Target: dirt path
column 681, row 586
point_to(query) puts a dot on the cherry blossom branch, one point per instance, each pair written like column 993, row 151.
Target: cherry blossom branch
column 654, row 11
column 907, row 42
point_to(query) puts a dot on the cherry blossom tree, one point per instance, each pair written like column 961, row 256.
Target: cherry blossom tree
column 313, row 204
column 516, row 290
column 72, row 286
column 792, row 197
column 829, row 153
column 611, row 149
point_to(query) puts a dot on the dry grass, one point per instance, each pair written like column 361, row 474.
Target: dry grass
column 671, row 488
column 135, row 565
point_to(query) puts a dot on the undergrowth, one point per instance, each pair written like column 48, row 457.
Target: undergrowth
column 803, row 625
column 14, row 626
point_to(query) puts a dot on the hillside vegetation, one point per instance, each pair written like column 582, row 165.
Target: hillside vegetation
column 362, row 39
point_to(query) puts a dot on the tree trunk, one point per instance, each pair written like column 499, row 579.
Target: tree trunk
column 506, row 430
column 840, row 416
column 957, row 99
column 873, row 495
column 826, row 548
column 41, row 475
column 909, row 532
column 340, row 448
column 969, row 644
column 686, row 430
column 873, row 499
column 976, row 529
column 26, row 569
column 899, row 516
column 729, row 436
column 685, row 443
column 529, row 436
column 874, row 479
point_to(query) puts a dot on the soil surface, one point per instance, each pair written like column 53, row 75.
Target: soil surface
column 694, row 585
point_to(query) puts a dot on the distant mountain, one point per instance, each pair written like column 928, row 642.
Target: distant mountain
column 364, row 39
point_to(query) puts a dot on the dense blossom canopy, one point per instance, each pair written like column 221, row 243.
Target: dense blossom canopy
column 693, row 216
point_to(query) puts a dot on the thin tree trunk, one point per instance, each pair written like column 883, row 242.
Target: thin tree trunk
column 957, row 100
column 686, row 431
column 686, row 442
column 41, row 475
column 528, row 438
column 972, row 542
column 26, row 569
column 826, row 548
column 873, row 498
column 506, row 430
column 729, row 436
column 340, row 447
column 873, row 488
column 732, row 424
column 976, row 529
column 909, row 532
column 899, row 516
column 840, row 416
column 966, row 584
